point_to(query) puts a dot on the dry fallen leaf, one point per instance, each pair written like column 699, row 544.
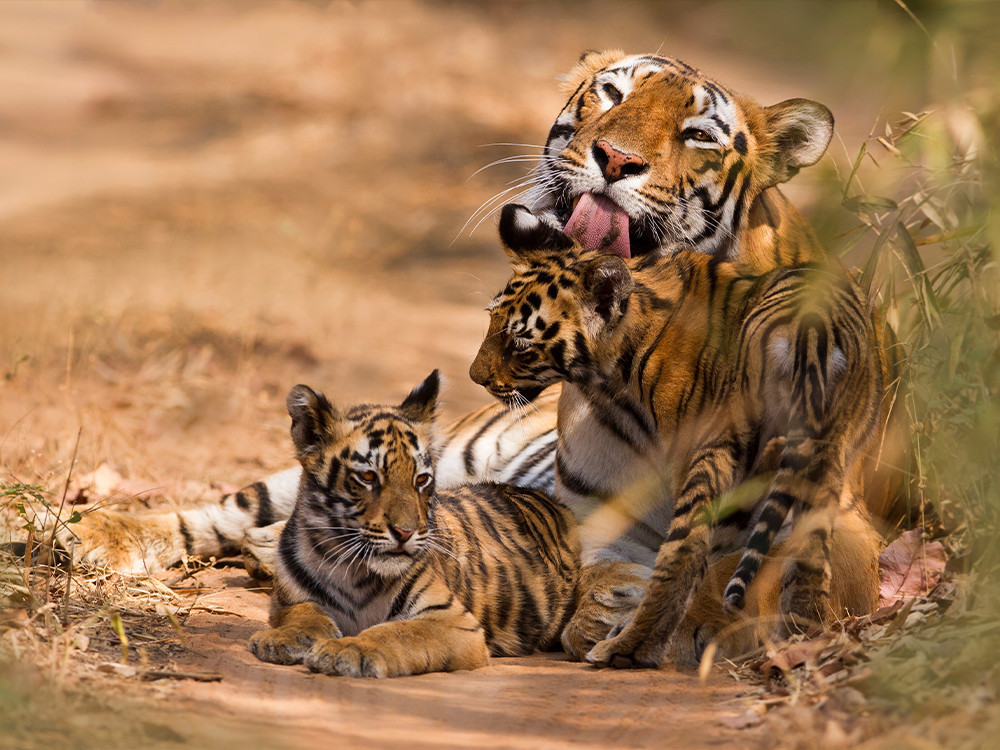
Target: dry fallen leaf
column 794, row 655
column 742, row 720
column 909, row 567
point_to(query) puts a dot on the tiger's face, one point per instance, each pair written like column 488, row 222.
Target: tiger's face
column 366, row 495
column 547, row 323
column 649, row 155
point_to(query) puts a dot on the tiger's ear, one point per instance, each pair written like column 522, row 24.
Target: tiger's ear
column 590, row 62
column 800, row 131
column 607, row 285
column 529, row 240
column 421, row 405
column 314, row 421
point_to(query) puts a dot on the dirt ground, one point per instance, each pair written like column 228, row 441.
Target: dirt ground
column 204, row 204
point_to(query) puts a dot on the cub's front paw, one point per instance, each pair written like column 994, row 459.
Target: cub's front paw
column 350, row 657
column 281, row 645
column 626, row 650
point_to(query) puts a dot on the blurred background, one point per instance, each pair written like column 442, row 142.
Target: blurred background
column 202, row 204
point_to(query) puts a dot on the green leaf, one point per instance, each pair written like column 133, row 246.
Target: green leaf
column 861, row 204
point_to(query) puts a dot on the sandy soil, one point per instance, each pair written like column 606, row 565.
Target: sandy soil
column 542, row 701
column 202, row 205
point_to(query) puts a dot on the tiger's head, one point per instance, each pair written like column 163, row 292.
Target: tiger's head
column 366, row 495
column 556, row 311
column 649, row 155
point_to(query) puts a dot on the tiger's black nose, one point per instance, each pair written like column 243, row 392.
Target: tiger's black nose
column 616, row 164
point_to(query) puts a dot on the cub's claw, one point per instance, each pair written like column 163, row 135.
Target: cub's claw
column 281, row 645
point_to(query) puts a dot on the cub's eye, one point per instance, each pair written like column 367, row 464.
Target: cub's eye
column 612, row 93
column 698, row 136
column 367, row 477
column 422, row 480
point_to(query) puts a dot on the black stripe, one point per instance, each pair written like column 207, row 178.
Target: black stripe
column 186, row 533
column 265, row 510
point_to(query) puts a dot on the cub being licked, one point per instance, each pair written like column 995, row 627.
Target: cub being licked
column 711, row 376
column 380, row 575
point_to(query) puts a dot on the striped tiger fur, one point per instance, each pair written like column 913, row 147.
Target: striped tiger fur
column 381, row 575
column 708, row 375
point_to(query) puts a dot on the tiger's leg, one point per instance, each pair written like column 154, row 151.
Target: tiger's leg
column 260, row 550
column 442, row 636
column 806, row 575
column 295, row 629
column 146, row 542
column 608, row 592
column 854, row 588
column 680, row 564
column 809, row 481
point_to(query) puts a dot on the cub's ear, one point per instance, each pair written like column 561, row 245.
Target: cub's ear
column 607, row 284
column 800, row 131
column 528, row 239
column 421, row 405
column 313, row 420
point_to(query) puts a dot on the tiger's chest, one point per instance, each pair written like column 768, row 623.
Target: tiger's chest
column 618, row 490
column 358, row 603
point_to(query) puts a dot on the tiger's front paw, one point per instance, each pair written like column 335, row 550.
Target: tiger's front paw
column 627, row 650
column 351, row 657
column 287, row 645
column 606, row 608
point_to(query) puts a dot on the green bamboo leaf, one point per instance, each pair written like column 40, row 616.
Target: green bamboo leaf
column 915, row 265
column 870, row 204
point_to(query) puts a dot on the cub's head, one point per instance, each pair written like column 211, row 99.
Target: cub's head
column 366, row 496
column 548, row 322
column 649, row 154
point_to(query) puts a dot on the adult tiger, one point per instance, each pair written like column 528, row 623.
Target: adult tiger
column 647, row 155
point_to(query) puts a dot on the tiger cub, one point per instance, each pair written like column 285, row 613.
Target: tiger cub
column 378, row 575
column 707, row 372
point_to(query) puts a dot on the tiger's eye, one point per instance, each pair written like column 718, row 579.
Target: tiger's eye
column 700, row 136
column 422, row 480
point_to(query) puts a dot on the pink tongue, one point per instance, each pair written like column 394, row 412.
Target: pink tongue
column 599, row 224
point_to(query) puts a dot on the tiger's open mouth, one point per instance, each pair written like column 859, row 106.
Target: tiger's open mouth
column 598, row 223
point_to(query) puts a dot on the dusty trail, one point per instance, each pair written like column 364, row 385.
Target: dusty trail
column 537, row 702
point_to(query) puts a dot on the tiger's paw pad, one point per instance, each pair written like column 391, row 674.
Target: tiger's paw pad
column 281, row 645
column 348, row 657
